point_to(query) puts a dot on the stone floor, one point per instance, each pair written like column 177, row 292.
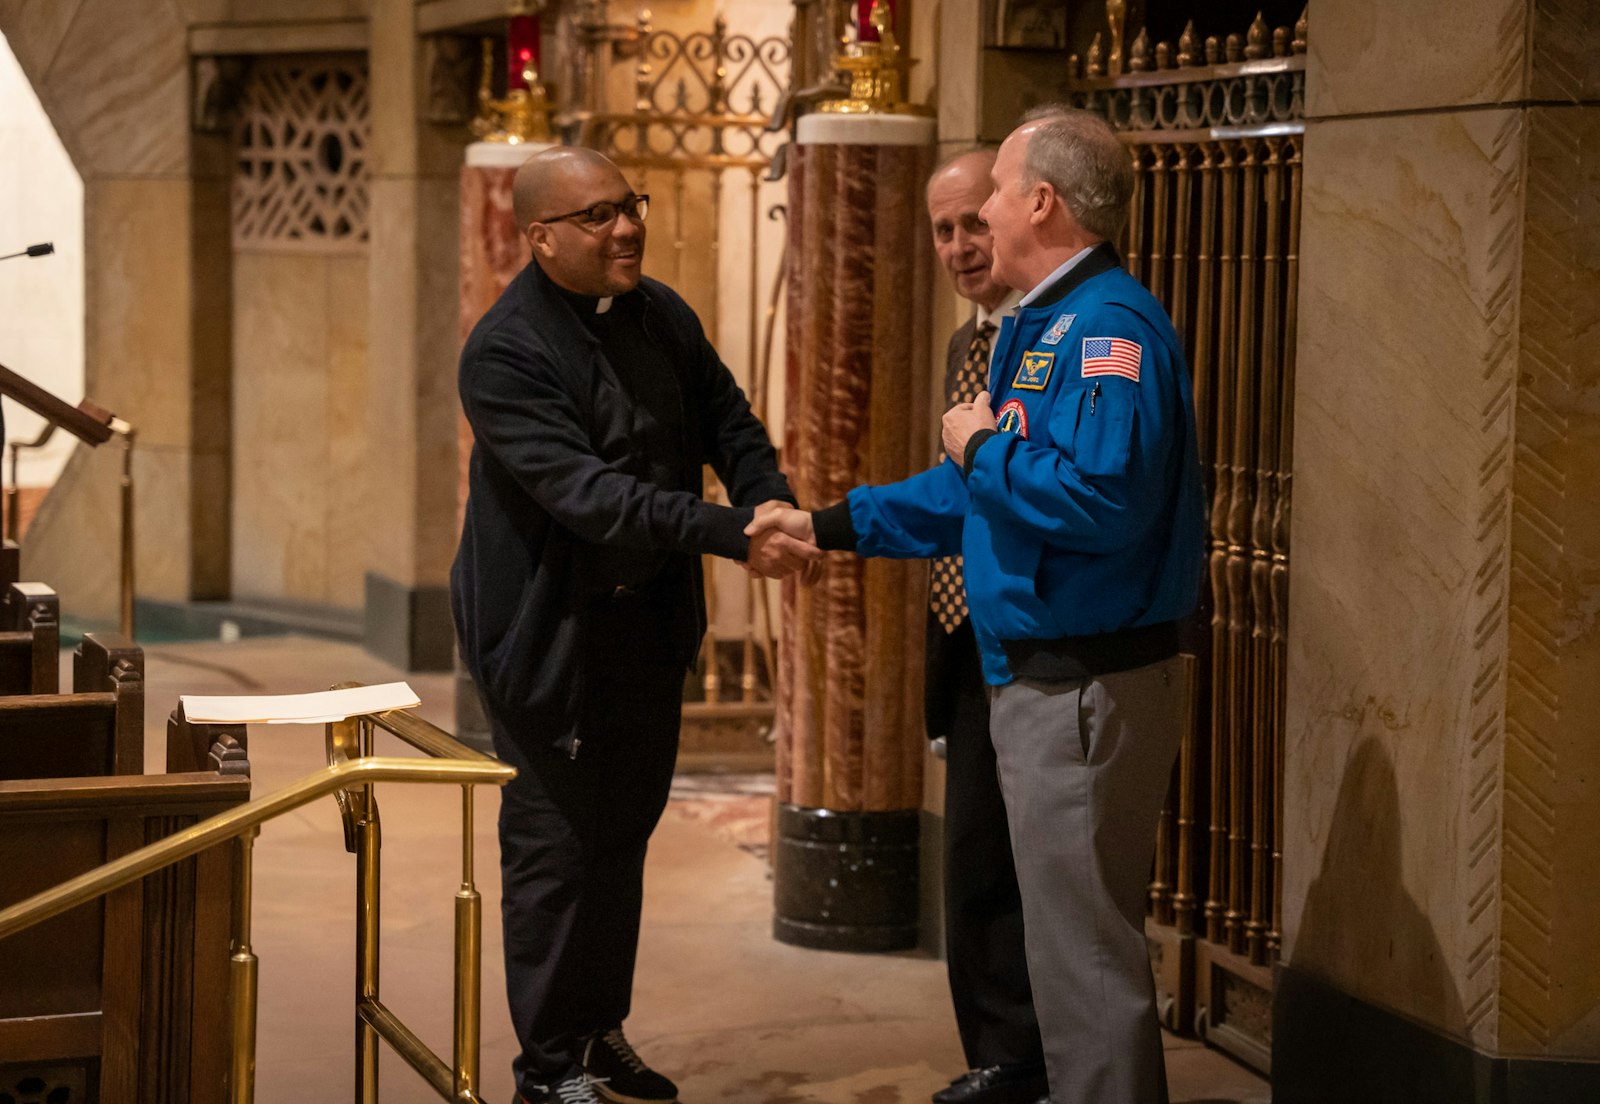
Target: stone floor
column 720, row 1006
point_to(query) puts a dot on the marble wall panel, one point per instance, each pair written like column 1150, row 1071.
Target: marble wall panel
column 137, row 283
column 1440, row 758
column 1406, row 364
column 34, row 30
column 211, row 381
column 1366, row 57
column 280, row 478
column 391, row 395
column 352, row 463
column 394, row 67
column 72, row 542
column 119, row 84
column 302, row 463
column 438, row 349
column 162, row 540
column 210, row 522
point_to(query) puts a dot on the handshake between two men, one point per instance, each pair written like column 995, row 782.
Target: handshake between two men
column 783, row 539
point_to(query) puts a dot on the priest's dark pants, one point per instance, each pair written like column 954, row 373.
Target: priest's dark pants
column 573, row 832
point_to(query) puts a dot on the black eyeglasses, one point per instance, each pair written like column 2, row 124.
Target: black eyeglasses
column 604, row 213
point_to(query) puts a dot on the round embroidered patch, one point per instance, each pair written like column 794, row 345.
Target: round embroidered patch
column 1013, row 418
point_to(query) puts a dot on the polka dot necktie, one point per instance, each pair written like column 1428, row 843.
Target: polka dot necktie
column 947, row 591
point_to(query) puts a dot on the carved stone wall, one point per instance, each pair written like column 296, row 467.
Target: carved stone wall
column 301, row 156
column 1443, row 817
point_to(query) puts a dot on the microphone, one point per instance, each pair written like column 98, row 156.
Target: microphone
column 40, row 250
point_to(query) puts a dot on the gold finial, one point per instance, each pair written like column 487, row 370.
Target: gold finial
column 1300, row 31
column 1163, row 55
column 1256, row 43
column 1186, row 46
column 644, row 72
column 1116, row 14
column 1093, row 67
column 1213, row 50
column 1280, row 42
column 1235, row 48
column 1074, row 67
column 1139, row 56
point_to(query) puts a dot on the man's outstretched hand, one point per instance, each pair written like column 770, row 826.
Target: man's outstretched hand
column 782, row 542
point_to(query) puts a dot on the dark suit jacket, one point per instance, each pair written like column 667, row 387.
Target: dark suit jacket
column 947, row 653
column 558, row 513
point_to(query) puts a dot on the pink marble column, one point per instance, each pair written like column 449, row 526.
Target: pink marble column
column 492, row 252
column 858, row 379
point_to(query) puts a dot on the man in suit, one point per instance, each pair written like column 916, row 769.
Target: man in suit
column 984, row 952
column 1078, row 507
column 594, row 400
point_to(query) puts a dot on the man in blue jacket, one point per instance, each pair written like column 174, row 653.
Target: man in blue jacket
column 594, row 400
column 1072, row 488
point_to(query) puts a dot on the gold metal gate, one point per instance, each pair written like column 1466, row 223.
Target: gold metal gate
column 694, row 136
column 1215, row 131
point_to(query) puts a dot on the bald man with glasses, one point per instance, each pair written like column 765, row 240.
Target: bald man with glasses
column 595, row 401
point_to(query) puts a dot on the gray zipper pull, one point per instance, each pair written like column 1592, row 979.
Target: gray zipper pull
column 572, row 752
column 1093, row 396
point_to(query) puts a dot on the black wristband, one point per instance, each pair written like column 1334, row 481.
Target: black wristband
column 974, row 443
column 834, row 530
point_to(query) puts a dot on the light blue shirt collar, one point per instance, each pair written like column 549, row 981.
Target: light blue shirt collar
column 1066, row 267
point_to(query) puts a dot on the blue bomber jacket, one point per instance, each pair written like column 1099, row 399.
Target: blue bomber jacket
column 1082, row 517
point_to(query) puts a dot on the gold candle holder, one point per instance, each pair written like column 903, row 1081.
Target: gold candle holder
column 876, row 71
column 522, row 116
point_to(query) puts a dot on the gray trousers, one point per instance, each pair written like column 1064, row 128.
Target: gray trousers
column 1084, row 766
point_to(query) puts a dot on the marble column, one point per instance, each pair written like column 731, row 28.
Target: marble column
column 1442, row 775
column 493, row 251
column 850, row 740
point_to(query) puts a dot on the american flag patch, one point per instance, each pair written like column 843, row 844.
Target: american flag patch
column 1111, row 356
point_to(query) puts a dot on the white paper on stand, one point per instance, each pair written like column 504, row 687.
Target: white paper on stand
column 318, row 708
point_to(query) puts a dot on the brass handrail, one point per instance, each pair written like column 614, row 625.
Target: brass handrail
column 351, row 775
column 225, row 826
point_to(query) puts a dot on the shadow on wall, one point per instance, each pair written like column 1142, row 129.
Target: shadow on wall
column 1362, row 933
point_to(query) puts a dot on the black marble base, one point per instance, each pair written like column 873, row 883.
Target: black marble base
column 1329, row 1047
column 845, row 881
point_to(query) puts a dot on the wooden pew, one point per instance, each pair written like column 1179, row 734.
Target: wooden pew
column 96, row 730
column 30, row 639
column 124, row 1000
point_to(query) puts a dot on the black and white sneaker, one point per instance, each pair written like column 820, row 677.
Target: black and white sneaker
column 619, row 1074
column 576, row 1088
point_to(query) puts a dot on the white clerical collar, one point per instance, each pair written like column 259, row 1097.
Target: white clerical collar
column 1042, row 285
column 603, row 305
column 1003, row 308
